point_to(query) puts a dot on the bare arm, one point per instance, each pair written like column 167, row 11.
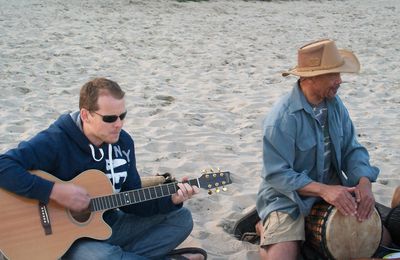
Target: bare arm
column 339, row 196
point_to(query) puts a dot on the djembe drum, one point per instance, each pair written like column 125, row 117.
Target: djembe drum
column 336, row 236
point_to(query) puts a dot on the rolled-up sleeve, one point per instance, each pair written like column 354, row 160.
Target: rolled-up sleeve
column 355, row 157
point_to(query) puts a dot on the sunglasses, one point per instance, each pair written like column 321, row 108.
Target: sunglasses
column 112, row 118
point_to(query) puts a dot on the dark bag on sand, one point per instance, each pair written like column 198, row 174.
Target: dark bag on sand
column 392, row 223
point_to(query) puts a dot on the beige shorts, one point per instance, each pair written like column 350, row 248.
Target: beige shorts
column 280, row 227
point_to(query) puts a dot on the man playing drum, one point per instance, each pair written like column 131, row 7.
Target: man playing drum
column 311, row 152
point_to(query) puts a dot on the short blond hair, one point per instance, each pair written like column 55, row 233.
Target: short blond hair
column 91, row 91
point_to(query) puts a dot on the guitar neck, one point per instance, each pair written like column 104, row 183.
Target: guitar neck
column 136, row 196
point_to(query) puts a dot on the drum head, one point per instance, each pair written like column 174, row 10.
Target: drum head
column 348, row 238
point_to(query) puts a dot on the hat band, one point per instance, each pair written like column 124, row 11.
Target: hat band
column 320, row 67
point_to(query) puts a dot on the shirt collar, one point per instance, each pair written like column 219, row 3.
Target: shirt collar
column 298, row 101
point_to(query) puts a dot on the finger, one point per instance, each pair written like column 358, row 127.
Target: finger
column 349, row 205
column 371, row 212
column 353, row 201
column 351, row 189
column 348, row 211
column 196, row 189
column 366, row 210
column 181, row 185
column 180, row 194
column 188, row 188
column 357, row 192
column 367, row 206
column 363, row 213
column 182, row 189
column 371, row 209
column 192, row 190
column 342, row 210
column 342, row 206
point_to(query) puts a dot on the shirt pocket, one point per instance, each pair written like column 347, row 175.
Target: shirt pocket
column 306, row 149
column 305, row 144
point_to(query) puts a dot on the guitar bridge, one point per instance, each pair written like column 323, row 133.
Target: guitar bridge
column 45, row 219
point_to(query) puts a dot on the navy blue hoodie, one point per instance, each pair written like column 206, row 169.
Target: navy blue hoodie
column 64, row 151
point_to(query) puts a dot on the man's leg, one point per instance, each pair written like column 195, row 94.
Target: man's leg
column 282, row 250
column 137, row 237
column 90, row 249
column 161, row 237
column 281, row 236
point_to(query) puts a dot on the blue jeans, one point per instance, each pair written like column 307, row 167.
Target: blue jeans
column 135, row 237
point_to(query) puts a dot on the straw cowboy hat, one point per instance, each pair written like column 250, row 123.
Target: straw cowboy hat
column 323, row 57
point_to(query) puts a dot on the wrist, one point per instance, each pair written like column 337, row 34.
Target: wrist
column 175, row 200
column 315, row 189
column 365, row 181
column 322, row 190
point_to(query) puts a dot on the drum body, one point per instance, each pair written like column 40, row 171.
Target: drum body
column 336, row 236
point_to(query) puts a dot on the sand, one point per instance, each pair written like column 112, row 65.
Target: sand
column 200, row 77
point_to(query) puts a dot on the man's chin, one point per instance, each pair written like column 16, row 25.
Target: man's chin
column 113, row 140
column 332, row 95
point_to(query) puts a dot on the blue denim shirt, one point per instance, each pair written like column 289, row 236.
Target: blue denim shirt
column 293, row 154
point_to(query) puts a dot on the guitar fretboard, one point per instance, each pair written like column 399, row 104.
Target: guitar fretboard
column 135, row 196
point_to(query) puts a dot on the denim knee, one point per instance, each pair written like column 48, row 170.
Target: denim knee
column 183, row 218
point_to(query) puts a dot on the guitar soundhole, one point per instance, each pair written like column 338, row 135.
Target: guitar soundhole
column 80, row 217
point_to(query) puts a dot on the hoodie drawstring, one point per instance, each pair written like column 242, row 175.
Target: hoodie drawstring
column 109, row 159
column 111, row 165
column 94, row 155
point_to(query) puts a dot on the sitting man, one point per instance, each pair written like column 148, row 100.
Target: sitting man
column 311, row 152
column 93, row 138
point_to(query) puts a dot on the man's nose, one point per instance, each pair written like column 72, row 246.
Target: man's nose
column 119, row 123
column 339, row 79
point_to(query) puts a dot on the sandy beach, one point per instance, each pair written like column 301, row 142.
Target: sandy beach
column 200, row 77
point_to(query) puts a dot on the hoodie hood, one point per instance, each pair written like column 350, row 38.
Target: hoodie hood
column 71, row 125
column 113, row 158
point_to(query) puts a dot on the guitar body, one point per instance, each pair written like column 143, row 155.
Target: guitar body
column 22, row 235
column 30, row 230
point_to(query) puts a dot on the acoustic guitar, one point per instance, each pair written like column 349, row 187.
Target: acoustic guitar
column 32, row 230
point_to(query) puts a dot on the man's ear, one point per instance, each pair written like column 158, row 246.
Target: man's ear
column 85, row 115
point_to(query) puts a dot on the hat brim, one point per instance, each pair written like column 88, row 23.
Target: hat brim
column 350, row 65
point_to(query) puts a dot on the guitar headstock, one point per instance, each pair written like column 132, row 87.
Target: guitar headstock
column 214, row 179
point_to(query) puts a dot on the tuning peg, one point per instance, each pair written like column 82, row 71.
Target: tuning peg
column 218, row 169
column 224, row 188
column 209, row 192
column 204, row 171
column 217, row 190
column 211, row 170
